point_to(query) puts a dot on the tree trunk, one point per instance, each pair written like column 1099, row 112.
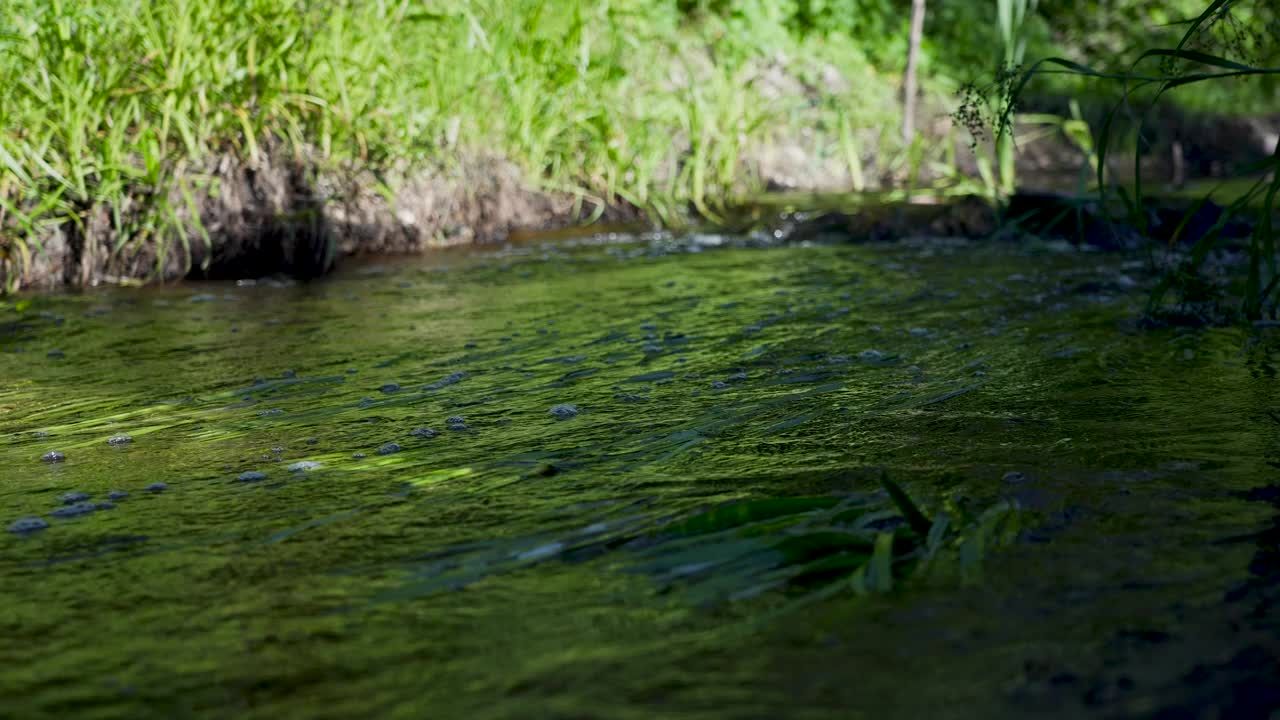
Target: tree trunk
column 909, row 82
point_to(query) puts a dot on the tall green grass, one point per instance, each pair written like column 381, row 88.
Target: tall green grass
column 1197, row 58
column 122, row 106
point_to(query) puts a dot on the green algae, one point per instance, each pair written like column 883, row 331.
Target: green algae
column 529, row 566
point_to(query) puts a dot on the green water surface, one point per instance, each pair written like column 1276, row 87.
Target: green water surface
column 509, row 568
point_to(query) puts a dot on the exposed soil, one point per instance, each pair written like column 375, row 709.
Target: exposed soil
column 281, row 213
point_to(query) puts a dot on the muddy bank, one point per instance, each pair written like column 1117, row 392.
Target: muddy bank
column 279, row 212
column 1175, row 145
column 1082, row 221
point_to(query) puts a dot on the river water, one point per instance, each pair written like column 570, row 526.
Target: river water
column 572, row 403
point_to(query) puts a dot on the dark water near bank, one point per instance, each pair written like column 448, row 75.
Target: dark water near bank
column 505, row 567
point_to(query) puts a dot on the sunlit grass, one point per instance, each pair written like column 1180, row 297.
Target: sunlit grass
column 120, row 109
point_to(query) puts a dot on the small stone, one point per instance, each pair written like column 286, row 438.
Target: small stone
column 719, row 385
column 358, row 456
column 272, row 411
column 919, row 332
column 311, row 441
column 278, row 450
column 545, row 470
column 119, row 440
column 25, row 525
column 249, row 476
column 53, row 456
column 455, row 420
column 451, row 379
column 304, row 466
column 73, row 497
column 390, row 388
column 564, row 411
column 104, row 506
column 423, row 432
column 389, row 448
column 289, row 374
column 1013, row 477
column 117, row 495
column 870, row 356
column 157, row 487
column 56, row 354
column 76, row 510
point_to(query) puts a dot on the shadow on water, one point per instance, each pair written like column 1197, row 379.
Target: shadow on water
column 610, row 479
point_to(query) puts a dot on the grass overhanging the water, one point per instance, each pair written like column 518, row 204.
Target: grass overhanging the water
column 121, row 116
column 126, row 107
column 1217, row 47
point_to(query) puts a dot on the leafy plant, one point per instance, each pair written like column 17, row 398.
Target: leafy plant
column 821, row 543
column 1012, row 18
column 1188, row 63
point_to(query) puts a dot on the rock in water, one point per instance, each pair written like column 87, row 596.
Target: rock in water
column 564, row 411
column 25, row 525
column 76, row 510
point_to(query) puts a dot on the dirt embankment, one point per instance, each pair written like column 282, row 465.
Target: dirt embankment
column 278, row 213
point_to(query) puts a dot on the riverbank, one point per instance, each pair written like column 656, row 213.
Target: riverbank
column 155, row 141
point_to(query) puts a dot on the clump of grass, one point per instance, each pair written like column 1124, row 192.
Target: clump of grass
column 116, row 111
column 822, row 545
column 1204, row 53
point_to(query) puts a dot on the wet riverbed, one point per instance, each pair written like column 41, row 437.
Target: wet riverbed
column 435, row 488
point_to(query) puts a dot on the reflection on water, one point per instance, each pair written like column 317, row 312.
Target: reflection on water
column 368, row 494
